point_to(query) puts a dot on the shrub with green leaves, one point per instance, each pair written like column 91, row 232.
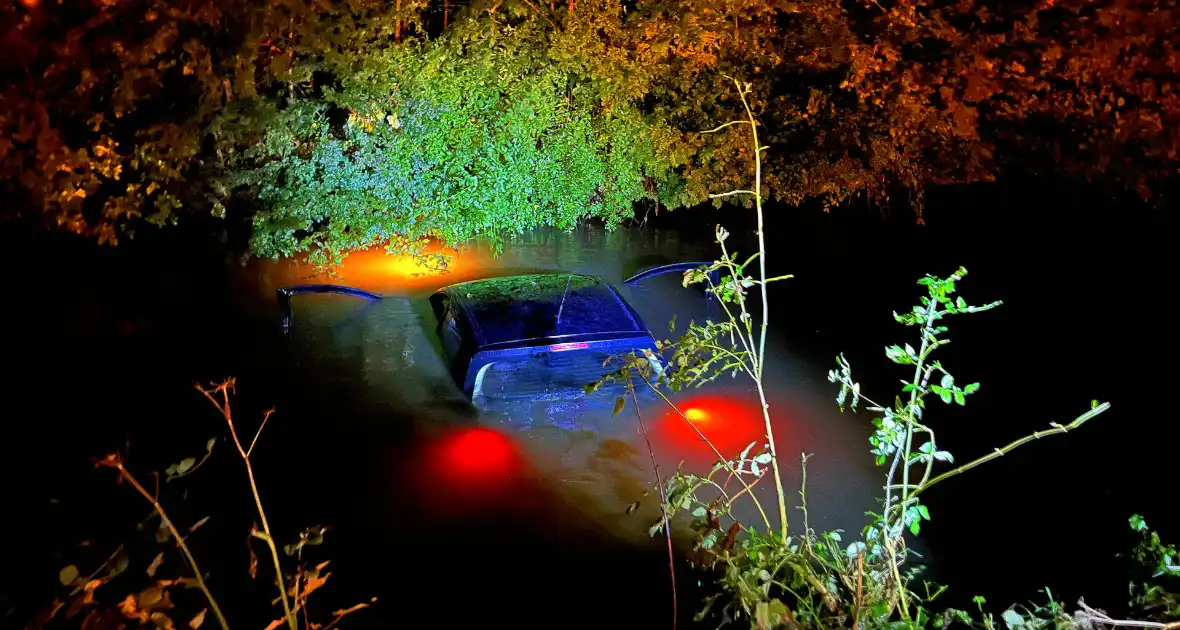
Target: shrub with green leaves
column 770, row 578
column 477, row 134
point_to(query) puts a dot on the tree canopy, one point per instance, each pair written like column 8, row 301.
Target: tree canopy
column 334, row 125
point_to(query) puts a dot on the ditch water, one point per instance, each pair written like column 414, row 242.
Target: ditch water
column 562, row 477
column 450, row 518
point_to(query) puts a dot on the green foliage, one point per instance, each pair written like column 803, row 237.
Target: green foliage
column 117, row 115
column 476, row 134
column 769, row 579
column 1156, row 590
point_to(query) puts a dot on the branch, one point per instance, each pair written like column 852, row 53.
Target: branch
column 113, row 461
column 732, row 193
column 1097, row 616
column 663, row 498
column 783, row 277
column 728, row 124
column 999, row 452
column 224, row 408
column 259, row 432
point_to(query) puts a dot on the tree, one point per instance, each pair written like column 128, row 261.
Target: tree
column 296, row 114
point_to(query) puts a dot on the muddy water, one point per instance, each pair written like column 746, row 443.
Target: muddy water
column 448, row 518
column 594, row 464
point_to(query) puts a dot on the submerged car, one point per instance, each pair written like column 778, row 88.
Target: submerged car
column 540, row 337
column 535, row 336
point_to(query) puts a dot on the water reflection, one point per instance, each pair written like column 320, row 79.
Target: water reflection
column 595, row 463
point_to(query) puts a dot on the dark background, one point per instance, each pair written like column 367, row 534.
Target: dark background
column 103, row 346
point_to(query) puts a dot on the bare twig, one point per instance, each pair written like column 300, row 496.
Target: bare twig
column 778, row 478
column 116, row 462
column 1097, row 616
column 341, row 614
column 265, row 417
column 663, row 499
column 728, row 124
column 733, row 192
column 223, row 407
column 1000, row 452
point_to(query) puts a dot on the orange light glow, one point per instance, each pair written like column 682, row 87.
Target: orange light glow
column 376, row 270
column 696, row 415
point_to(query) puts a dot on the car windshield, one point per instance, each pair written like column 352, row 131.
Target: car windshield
column 521, row 308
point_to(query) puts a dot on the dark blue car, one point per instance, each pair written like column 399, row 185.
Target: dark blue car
column 539, row 336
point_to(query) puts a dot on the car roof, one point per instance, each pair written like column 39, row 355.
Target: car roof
column 524, row 310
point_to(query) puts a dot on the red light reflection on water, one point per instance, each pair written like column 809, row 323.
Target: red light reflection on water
column 478, row 455
column 730, row 422
column 471, row 468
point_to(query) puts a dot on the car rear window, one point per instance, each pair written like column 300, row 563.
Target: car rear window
column 527, row 307
column 547, row 373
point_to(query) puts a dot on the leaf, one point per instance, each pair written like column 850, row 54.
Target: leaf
column 149, row 597
column 947, row 380
column 84, row 600
column 199, row 619
column 253, row 570
column 352, row 609
column 699, row 512
column 746, row 451
column 68, row 575
column 620, row 402
column 1012, row 619
column 924, row 512
column 313, row 583
column 763, row 458
column 1138, row 523
column 971, row 389
column 915, row 526
column 946, row 396
column 155, row 565
column 198, row 524
column 209, row 449
column 960, row 398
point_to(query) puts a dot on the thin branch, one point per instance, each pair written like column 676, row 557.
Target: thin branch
column 259, row 432
column 341, row 614
column 663, row 499
column 1000, row 452
column 765, row 323
column 728, row 124
column 224, row 408
column 732, row 193
column 1097, row 616
column 113, row 461
column 82, row 584
column 782, row 277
